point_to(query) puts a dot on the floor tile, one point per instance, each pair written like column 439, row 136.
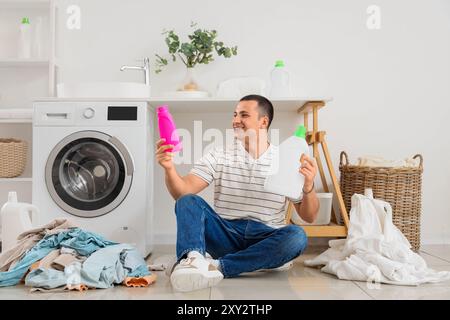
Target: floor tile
column 432, row 260
column 298, row 275
column 20, row 292
column 288, row 292
column 438, row 250
column 393, row 292
column 123, row 293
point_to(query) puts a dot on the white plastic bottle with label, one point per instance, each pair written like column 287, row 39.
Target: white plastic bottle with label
column 16, row 218
column 280, row 85
column 284, row 177
column 25, row 39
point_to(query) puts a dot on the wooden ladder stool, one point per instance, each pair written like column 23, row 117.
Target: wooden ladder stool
column 316, row 138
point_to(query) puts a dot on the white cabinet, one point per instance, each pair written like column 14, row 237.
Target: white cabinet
column 22, row 80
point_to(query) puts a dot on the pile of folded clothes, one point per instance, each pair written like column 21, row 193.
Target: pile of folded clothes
column 60, row 256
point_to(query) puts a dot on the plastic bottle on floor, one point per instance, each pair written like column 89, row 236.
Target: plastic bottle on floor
column 16, row 217
column 284, row 177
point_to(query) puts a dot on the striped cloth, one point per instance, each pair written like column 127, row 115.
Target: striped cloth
column 239, row 184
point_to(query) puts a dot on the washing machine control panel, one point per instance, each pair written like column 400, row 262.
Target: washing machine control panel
column 122, row 113
column 88, row 113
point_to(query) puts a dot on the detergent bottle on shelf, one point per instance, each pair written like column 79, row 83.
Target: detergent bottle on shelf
column 167, row 129
column 25, row 39
column 280, row 86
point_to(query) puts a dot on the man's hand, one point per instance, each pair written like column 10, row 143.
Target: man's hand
column 309, row 207
column 308, row 168
column 164, row 158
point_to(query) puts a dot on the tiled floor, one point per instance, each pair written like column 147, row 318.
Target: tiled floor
column 298, row 283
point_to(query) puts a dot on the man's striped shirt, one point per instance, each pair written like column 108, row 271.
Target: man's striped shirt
column 239, row 184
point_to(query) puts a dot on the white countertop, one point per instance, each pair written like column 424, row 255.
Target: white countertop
column 198, row 104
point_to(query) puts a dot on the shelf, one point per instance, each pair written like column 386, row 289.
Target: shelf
column 6, row 63
column 16, row 120
column 18, row 179
column 24, row 4
column 331, row 230
column 16, row 115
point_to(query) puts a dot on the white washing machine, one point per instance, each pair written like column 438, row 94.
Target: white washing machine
column 93, row 162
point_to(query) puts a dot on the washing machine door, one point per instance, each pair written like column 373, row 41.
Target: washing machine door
column 89, row 173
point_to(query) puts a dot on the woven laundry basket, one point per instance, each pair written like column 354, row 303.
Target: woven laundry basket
column 401, row 187
column 13, row 157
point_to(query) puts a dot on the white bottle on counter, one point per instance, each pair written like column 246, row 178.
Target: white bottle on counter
column 280, row 86
column 25, row 39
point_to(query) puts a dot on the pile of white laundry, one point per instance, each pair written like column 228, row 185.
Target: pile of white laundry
column 375, row 249
column 374, row 161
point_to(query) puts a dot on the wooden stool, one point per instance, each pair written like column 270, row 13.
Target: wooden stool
column 316, row 138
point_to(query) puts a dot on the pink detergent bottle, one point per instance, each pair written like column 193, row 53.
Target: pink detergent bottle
column 167, row 129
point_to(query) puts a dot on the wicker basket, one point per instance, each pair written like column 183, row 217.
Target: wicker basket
column 400, row 187
column 13, row 157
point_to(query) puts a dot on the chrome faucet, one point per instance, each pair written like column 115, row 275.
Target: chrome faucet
column 145, row 68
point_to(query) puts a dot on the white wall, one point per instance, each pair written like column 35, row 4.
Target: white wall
column 391, row 87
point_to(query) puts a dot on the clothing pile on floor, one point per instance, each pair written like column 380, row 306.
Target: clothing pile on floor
column 375, row 249
column 60, row 256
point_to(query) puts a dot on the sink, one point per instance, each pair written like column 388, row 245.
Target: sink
column 103, row 90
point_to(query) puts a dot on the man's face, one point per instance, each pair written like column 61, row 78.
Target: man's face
column 246, row 120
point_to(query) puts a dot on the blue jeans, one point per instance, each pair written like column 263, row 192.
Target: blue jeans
column 240, row 245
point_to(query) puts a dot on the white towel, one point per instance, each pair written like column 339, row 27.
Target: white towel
column 375, row 249
column 374, row 161
column 239, row 87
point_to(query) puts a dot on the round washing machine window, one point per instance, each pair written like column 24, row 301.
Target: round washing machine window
column 89, row 173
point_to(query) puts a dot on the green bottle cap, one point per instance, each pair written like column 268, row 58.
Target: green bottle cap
column 279, row 64
column 300, row 132
column 25, row 20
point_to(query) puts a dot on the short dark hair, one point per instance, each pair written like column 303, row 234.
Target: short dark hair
column 265, row 107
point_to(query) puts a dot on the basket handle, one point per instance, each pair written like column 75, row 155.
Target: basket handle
column 341, row 162
column 421, row 159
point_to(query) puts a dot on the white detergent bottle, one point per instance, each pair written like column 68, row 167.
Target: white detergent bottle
column 16, row 218
column 280, row 86
column 25, row 39
column 284, row 177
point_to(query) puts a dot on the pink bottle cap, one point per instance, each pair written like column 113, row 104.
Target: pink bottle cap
column 163, row 108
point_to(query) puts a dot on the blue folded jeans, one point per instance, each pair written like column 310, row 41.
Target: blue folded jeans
column 240, row 245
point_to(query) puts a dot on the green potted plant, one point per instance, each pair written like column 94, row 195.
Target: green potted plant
column 199, row 49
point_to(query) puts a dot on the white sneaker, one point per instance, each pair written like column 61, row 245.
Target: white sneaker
column 194, row 273
column 170, row 264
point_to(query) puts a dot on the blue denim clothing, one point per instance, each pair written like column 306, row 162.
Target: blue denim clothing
column 46, row 278
column 103, row 269
column 83, row 242
column 240, row 245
